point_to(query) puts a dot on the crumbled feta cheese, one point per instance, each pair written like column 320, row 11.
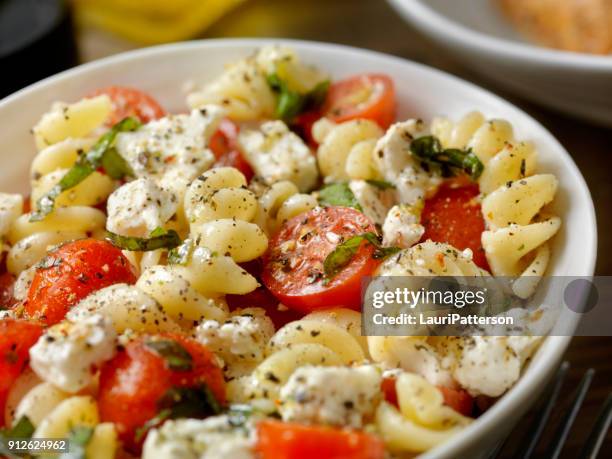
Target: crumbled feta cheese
column 401, row 227
column 374, row 201
column 11, row 207
column 276, row 154
column 212, row 438
column 240, row 341
column 68, row 354
column 490, row 365
column 340, row 396
column 139, row 207
column 395, row 161
column 172, row 149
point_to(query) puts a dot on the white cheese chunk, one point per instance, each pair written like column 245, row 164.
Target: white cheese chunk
column 68, row 354
column 174, row 148
column 240, row 341
column 397, row 165
column 401, row 227
column 490, row 365
column 139, row 207
column 276, row 154
column 11, row 207
column 212, row 438
column 374, row 201
column 339, row 396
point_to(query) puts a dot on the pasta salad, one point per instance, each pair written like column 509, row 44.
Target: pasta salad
column 189, row 284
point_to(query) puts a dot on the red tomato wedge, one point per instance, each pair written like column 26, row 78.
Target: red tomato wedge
column 366, row 96
column 293, row 265
column 281, row 440
column 7, row 280
column 134, row 382
column 453, row 216
column 16, row 339
column 70, row 273
column 458, row 399
column 304, row 123
column 389, row 392
column 130, row 102
column 224, row 145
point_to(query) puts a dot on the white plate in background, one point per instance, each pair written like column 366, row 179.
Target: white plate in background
column 477, row 34
column 421, row 91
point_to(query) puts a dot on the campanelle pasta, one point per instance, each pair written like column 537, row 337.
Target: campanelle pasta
column 190, row 283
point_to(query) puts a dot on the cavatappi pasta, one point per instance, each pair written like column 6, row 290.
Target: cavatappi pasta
column 180, row 284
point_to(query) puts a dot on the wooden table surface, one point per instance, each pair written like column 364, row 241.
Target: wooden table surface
column 374, row 25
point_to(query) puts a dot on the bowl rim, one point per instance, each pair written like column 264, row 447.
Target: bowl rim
column 430, row 20
column 552, row 347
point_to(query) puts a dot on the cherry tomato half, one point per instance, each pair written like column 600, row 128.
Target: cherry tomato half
column 7, row 281
column 366, row 96
column 453, row 216
column 70, row 273
column 293, row 265
column 224, row 145
column 136, row 380
column 281, row 440
column 131, row 102
column 16, row 339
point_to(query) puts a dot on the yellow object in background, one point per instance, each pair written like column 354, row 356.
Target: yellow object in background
column 152, row 21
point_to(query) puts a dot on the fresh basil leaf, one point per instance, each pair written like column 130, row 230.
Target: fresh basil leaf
column 291, row 103
column 182, row 402
column 162, row 416
column 115, row 165
column 380, row 184
column 23, row 430
column 344, row 252
column 175, row 355
column 449, row 161
column 338, row 194
column 86, row 165
column 166, row 240
column 189, row 402
column 78, row 440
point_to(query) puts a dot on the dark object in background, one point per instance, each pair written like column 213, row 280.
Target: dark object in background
column 36, row 40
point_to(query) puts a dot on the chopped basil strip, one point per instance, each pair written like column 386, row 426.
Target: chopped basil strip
column 101, row 154
column 450, row 161
column 344, row 252
column 338, row 194
column 381, row 184
column 160, row 239
column 182, row 402
column 176, row 356
column 291, row 103
column 189, row 402
column 180, row 255
column 78, row 440
column 151, row 423
column 23, row 430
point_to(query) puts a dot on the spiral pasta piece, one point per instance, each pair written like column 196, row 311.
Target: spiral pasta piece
column 422, row 420
column 346, row 150
column 515, row 242
column 219, row 209
column 281, row 202
column 243, row 90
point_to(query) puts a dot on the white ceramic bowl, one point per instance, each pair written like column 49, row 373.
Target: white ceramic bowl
column 422, row 92
column 476, row 33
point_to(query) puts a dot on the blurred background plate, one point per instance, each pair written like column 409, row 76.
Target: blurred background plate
column 476, row 32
